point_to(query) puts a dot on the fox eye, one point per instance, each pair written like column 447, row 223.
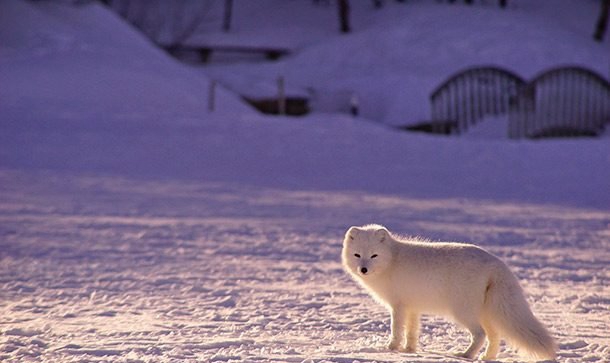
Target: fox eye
column 373, row 256
column 357, row 255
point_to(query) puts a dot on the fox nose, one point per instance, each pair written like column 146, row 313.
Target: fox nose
column 364, row 270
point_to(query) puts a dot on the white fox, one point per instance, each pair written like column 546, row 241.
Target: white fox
column 458, row 280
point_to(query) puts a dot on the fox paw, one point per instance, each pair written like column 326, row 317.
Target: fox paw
column 398, row 347
column 392, row 345
column 408, row 349
column 464, row 355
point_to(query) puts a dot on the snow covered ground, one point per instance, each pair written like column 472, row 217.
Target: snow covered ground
column 115, row 269
column 136, row 226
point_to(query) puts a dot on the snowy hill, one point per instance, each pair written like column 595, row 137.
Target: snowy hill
column 138, row 226
column 84, row 63
column 396, row 56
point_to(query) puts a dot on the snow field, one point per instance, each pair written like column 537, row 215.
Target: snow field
column 135, row 226
column 113, row 269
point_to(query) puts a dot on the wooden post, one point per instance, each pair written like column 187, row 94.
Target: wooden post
column 354, row 105
column 281, row 96
column 212, row 96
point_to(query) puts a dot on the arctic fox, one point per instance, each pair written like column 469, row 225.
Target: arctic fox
column 457, row 280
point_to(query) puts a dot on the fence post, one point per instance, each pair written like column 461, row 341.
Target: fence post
column 281, row 96
column 212, row 96
column 354, row 105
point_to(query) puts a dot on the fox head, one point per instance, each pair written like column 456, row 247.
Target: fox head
column 366, row 250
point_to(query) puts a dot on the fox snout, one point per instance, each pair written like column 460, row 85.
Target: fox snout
column 363, row 270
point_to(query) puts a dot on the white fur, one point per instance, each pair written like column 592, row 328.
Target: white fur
column 457, row 280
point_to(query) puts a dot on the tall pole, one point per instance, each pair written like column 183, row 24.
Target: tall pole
column 344, row 16
column 602, row 21
column 226, row 22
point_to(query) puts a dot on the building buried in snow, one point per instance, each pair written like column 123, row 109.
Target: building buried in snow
column 563, row 101
column 468, row 96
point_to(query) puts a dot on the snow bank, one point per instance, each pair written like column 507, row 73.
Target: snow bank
column 323, row 152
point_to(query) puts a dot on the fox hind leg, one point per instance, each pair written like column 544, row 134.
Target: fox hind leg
column 493, row 342
column 477, row 338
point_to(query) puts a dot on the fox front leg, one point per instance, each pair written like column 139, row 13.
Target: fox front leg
column 412, row 332
column 397, row 326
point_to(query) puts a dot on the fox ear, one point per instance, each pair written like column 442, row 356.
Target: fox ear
column 382, row 234
column 351, row 233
